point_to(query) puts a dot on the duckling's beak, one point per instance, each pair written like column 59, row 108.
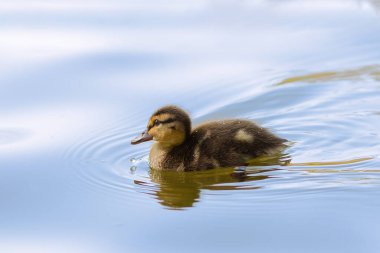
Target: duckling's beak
column 144, row 136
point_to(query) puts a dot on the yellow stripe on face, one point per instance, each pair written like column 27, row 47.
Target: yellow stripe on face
column 151, row 122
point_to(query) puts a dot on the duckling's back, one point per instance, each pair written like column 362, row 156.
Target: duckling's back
column 228, row 143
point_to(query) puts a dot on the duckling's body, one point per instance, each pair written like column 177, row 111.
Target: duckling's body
column 214, row 144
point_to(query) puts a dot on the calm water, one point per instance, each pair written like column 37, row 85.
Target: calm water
column 78, row 80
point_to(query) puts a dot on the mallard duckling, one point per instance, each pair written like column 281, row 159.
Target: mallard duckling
column 224, row 143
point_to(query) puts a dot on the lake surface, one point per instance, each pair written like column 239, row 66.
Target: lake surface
column 80, row 79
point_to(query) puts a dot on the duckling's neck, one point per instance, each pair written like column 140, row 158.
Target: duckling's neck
column 167, row 157
column 158, row 153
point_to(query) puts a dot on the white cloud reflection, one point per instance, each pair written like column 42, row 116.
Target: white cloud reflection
column 217, row 37
column 214, row 31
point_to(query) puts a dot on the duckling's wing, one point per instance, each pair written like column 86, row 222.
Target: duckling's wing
column 232, row 142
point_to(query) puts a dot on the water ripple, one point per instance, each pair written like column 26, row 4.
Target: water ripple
column 334, row 136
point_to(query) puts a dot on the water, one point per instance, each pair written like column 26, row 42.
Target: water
column 79, row 80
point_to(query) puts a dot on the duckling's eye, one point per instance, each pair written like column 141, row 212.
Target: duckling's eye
column 156, row 122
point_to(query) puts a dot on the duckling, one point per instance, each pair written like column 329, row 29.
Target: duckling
column 216, row 144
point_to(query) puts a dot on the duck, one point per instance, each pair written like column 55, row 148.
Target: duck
column 214, row 144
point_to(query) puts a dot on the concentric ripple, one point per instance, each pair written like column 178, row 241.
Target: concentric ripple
column 335, row 143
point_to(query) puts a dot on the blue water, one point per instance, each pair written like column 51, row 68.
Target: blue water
column 79, row 79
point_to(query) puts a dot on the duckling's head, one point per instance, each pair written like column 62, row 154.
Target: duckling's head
column 169, row 126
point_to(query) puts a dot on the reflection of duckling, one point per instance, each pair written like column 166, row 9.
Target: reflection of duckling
column 179, row 190
column 215, row 144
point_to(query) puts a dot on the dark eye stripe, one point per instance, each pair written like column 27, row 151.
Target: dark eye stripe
column 170, row 120
column 157, row 122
